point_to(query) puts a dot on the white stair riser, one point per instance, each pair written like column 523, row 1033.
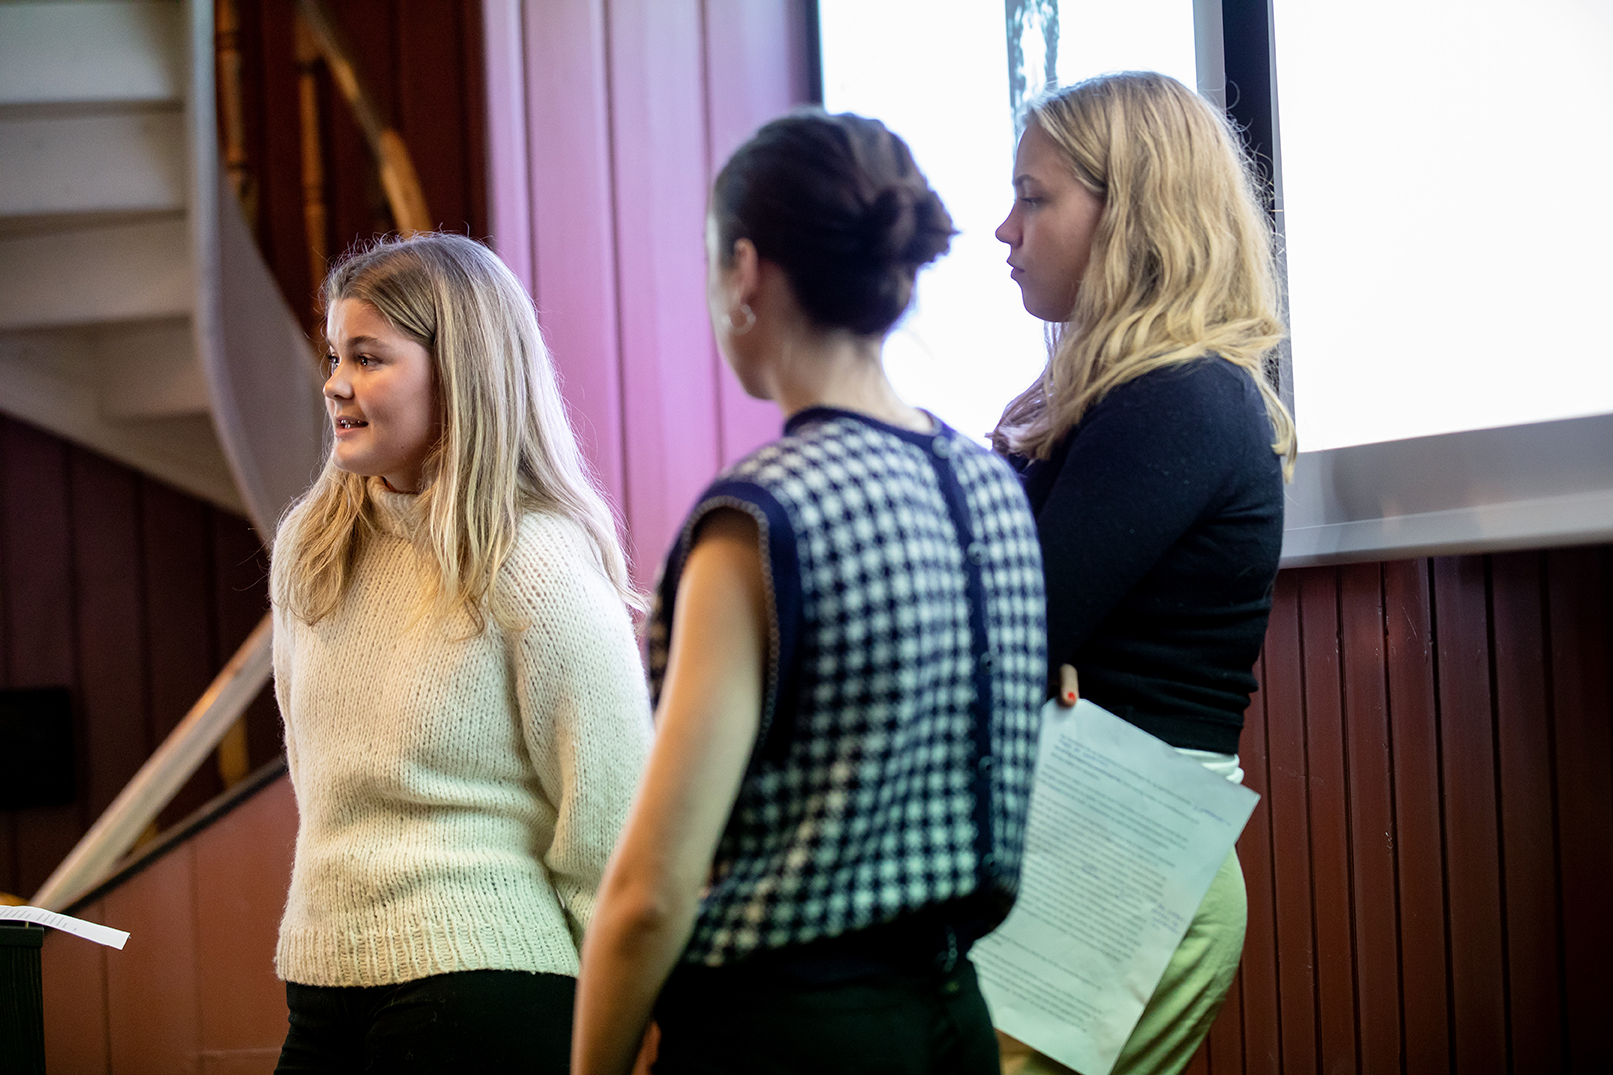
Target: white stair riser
column 129, row 162
column 55, row 53
column 125, row 272
column 129, row 303
column 149, row 371
column 135, row 370
column 38, row 371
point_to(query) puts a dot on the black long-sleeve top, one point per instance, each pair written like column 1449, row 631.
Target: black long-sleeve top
column 1161, row 521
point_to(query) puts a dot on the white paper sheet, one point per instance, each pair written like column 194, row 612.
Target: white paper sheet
column 90, row 931
column 1124, row 837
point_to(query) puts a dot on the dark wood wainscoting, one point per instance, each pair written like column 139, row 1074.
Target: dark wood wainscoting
column 1432, row 741
column 132, row 595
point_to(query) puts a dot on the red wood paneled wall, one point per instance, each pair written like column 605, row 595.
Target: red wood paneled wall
column 606, row 122
column 422, row 59
column 1432, row 739
column 132, row 595
column 193, row 991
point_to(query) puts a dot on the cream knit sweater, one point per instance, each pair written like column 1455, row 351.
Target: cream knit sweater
column 458, row 797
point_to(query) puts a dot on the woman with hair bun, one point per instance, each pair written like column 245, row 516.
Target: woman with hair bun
column 847, row 657
column 1153, row 451
column 465, row 711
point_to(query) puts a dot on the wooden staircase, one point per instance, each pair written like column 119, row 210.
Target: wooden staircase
column 136, row 315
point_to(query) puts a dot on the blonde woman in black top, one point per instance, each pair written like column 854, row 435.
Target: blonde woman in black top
column 1153, row 450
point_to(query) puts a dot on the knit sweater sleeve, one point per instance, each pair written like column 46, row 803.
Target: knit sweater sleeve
column 281, row 662
column 582, row 698
column 281, row 652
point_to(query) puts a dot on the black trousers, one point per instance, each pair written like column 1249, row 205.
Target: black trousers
column 471, row 1021
column 759, row 1022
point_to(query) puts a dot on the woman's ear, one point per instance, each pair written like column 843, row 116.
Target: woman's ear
column 745, row 272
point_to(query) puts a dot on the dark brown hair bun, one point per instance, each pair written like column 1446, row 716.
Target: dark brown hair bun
column 839, row 204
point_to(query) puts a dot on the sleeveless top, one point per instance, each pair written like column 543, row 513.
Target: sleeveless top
column 906, row 663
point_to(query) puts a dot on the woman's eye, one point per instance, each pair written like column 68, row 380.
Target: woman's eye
column 331, row 362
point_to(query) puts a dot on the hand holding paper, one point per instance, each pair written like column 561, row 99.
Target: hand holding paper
column 1123, row 840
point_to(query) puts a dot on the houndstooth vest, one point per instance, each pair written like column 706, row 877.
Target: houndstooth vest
column 892, row 769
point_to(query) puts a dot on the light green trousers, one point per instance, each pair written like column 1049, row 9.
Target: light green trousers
column 1188, row 997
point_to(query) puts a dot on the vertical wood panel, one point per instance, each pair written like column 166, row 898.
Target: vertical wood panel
column 239, row 897
column 108, row 560
column 179, row 623
column 74, row 979
column 1372, row 848
column 84, row 542
column 1257, row 977
column 1223, row 1049
column 1527, row 831
column 473, row 101
column 1581, row 646
column 154, row 1016
column 1467, row 755
column 754, row 75
column 624, row 111
column 39, row 633
column 240, row 599
column 1413, row 735
column 8, row 818
column 757, row 67
column 1329, row 824
column 509, row 212
column 568, row 143
column 429, row 48
column 1290, row 824
column 353, row 192
column 269, row 74
column 424, row 59
column 668, row 377
column 194, row 988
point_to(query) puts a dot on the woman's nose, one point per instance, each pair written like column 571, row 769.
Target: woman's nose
column 336, row 386
column 1003, row 232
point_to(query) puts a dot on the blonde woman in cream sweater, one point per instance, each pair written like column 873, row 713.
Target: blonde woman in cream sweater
column 465, row 711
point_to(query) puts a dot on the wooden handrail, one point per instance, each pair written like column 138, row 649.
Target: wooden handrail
column 398, row 177
column 163, row 774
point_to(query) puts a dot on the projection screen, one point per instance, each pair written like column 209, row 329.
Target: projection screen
column 1438, row 173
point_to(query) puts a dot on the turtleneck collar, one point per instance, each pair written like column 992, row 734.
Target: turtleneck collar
column 397, row 514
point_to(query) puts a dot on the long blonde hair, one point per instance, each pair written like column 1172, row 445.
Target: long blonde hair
column 506, row 448
column 1181, row 261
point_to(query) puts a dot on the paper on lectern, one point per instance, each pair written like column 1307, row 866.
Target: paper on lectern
column 90, row 931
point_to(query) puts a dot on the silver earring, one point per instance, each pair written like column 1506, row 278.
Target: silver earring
column 740, row 330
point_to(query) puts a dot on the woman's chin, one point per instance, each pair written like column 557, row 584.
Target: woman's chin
column 346, row 462
column 1045, row 311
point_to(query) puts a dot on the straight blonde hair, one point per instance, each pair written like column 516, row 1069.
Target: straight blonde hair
column 1181, row 261
column 506, row 448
